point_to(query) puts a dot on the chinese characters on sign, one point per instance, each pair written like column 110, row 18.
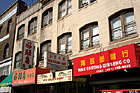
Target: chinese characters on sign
column 55, row 61
column 24, row 77
column 60, row 76
column 28, row 50
column 111, row 60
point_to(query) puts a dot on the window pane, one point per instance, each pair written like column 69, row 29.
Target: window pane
column 69, row 44
column 7, row 51
column 44, row 48
column 116, row 22
column 17, row 61
column 69, row 6
column 0, row 32
column 116, row 28
column 84, row 2
column 85, row 38
column 117, row 34
column 85, row 34
column 49, row 47
column 62, row 47
column 95, row 30
column 92, row 1
column 130, row 25
column 129, row 17
column 63, row 14
column 95, row 40
column 63, row 10
column 50, row 17
column 45, row 20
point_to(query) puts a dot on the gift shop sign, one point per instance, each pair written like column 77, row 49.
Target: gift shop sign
column 28, row 52
column 55, row 61
column 116, row 59
column 60, row 76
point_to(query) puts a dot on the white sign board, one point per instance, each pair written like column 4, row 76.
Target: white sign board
column 60, row 76
column 27, row 54
column 55, row 61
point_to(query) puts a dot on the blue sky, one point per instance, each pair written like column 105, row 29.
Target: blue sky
column 6, row 3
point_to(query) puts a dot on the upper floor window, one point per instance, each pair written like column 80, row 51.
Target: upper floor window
column 18, row 59
column 89, row 35
column 65, row 44
column 0, row 31
column 6, row 51
column 21, row 30
column 9, row 25
column 65, row 8
column 32, row 26
column 46, row 46
column 122, row 24
column 85, row 2
column 47, row 17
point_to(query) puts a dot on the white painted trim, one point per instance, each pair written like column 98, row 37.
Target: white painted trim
column 4, row 38
column 6, row 60
column 6, row 64
column 8, row 15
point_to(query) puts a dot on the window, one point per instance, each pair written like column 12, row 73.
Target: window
column 89, row 35
column 47, row 17
column 6, row 51
column 21, row 30
column 122, row 24
column 9, row 25
column 4, row 70
column 32, row 26
column 85, row 2
column 65, row 44
column 17, row 59
column 45, row 46
column 65, row 8
column 0, row 31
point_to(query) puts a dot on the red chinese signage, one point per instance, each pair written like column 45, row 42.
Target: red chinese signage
column 28, row 52
column 111, row 60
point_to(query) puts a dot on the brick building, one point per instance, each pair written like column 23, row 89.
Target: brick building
column 78, row 28
column 7, row 35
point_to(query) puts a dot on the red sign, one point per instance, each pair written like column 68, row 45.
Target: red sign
column 111, row 60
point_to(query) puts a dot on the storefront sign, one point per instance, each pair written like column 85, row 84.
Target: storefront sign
column 24, row 77
column 55, row 61
column 60, row 76
column 28, row 76
column 112, row 60
column 28, row 52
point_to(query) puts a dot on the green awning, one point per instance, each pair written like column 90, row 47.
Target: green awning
column 7, row 81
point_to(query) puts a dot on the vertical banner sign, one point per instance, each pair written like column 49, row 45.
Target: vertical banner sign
column 116, row 59
column 28, row 52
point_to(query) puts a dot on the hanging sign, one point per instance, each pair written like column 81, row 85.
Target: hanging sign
column 27, row 54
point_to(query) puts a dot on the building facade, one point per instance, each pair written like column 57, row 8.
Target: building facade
column 7, row 35
column 77, row 28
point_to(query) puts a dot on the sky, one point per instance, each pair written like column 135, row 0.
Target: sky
column 6, row 3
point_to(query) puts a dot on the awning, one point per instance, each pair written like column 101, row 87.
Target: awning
column 7, row 81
